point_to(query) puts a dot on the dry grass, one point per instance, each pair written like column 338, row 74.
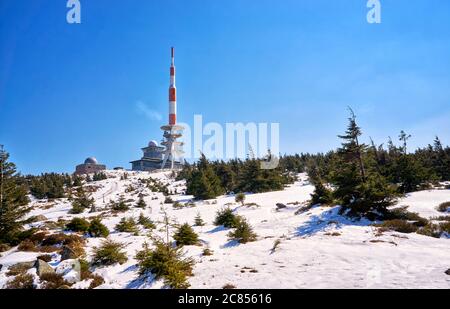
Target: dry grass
column 21, row 282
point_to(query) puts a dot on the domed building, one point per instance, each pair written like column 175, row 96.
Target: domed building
column 89, row 166
column 152, row 159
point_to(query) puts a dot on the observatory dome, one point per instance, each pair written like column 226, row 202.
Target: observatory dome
column 91, row 160
column 153, row 144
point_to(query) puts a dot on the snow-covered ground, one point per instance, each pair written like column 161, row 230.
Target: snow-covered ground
column 318, row 249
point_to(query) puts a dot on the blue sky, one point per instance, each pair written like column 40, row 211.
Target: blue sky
column 72, row 91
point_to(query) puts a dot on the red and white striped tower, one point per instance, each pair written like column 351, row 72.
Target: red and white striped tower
column 172, row 93
column 172, row 131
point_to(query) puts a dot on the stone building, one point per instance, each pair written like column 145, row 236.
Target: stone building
column 89, row 166
column 152, row 159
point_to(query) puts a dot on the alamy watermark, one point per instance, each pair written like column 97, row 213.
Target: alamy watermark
column 374, row 14
column 73, row 15
column 233, row 140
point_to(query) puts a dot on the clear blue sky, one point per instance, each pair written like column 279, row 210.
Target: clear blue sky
column 72, row 91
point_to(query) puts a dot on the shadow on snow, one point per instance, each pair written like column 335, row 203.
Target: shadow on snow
column 327, row 219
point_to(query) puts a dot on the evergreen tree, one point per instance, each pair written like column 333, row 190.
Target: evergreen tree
column 77, row 181
column 226, row 176
column 243, row 232
column 13, row 200
column 99, row 176
column 120, row 205
column 198, row 221
column 240, row 198
column 50, row 186
column 360, row 190
column 81, row 201
column 321, row 195
column 98, row 229
column 406, row 169
column 146, row 222
column 185, row 236
column 204, row 183
column 256, row 180
column 141, row 203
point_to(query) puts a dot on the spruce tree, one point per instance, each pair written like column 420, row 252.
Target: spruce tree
column 77, row 181
column 13, row 200
column 81, row 201
column 321, row 195
column 359, row 188
column 240, row 198
column 198, row 221
column 226, row 176
column 204, row 183
column 185, row 236
column 407, row 170
column 141, row 203
column 243, row 232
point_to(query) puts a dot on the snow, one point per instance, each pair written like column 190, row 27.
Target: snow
column 318, row 248
column 426, row 202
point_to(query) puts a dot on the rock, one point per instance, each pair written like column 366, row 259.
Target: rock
column 51, row 225
column 448, row 272
column 68, row 253
column 1, row 266
column 26, row 265
column 281, row 206
column 70, row 270
column 38, row 218
column 64, row 287
column 43, row 268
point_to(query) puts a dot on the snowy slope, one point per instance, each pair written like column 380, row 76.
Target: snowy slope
column 319, row 248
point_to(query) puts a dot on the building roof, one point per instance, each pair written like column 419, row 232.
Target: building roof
column 91, row 160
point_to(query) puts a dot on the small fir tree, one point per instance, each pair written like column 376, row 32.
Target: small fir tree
column 240, row 198
column 141, row 203
column 185, row 236
column 13, row 200
column 198, row 221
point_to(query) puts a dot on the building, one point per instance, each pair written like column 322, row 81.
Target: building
column 152, row 159
column 89, row 166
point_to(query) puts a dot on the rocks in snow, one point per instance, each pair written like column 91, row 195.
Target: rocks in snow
column 43, row 268
column 68, row 253
column 70, row 270
column 280, row 206
column 448, row 272
column 38, row 218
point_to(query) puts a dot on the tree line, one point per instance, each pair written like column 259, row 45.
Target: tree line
column 207, row 180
